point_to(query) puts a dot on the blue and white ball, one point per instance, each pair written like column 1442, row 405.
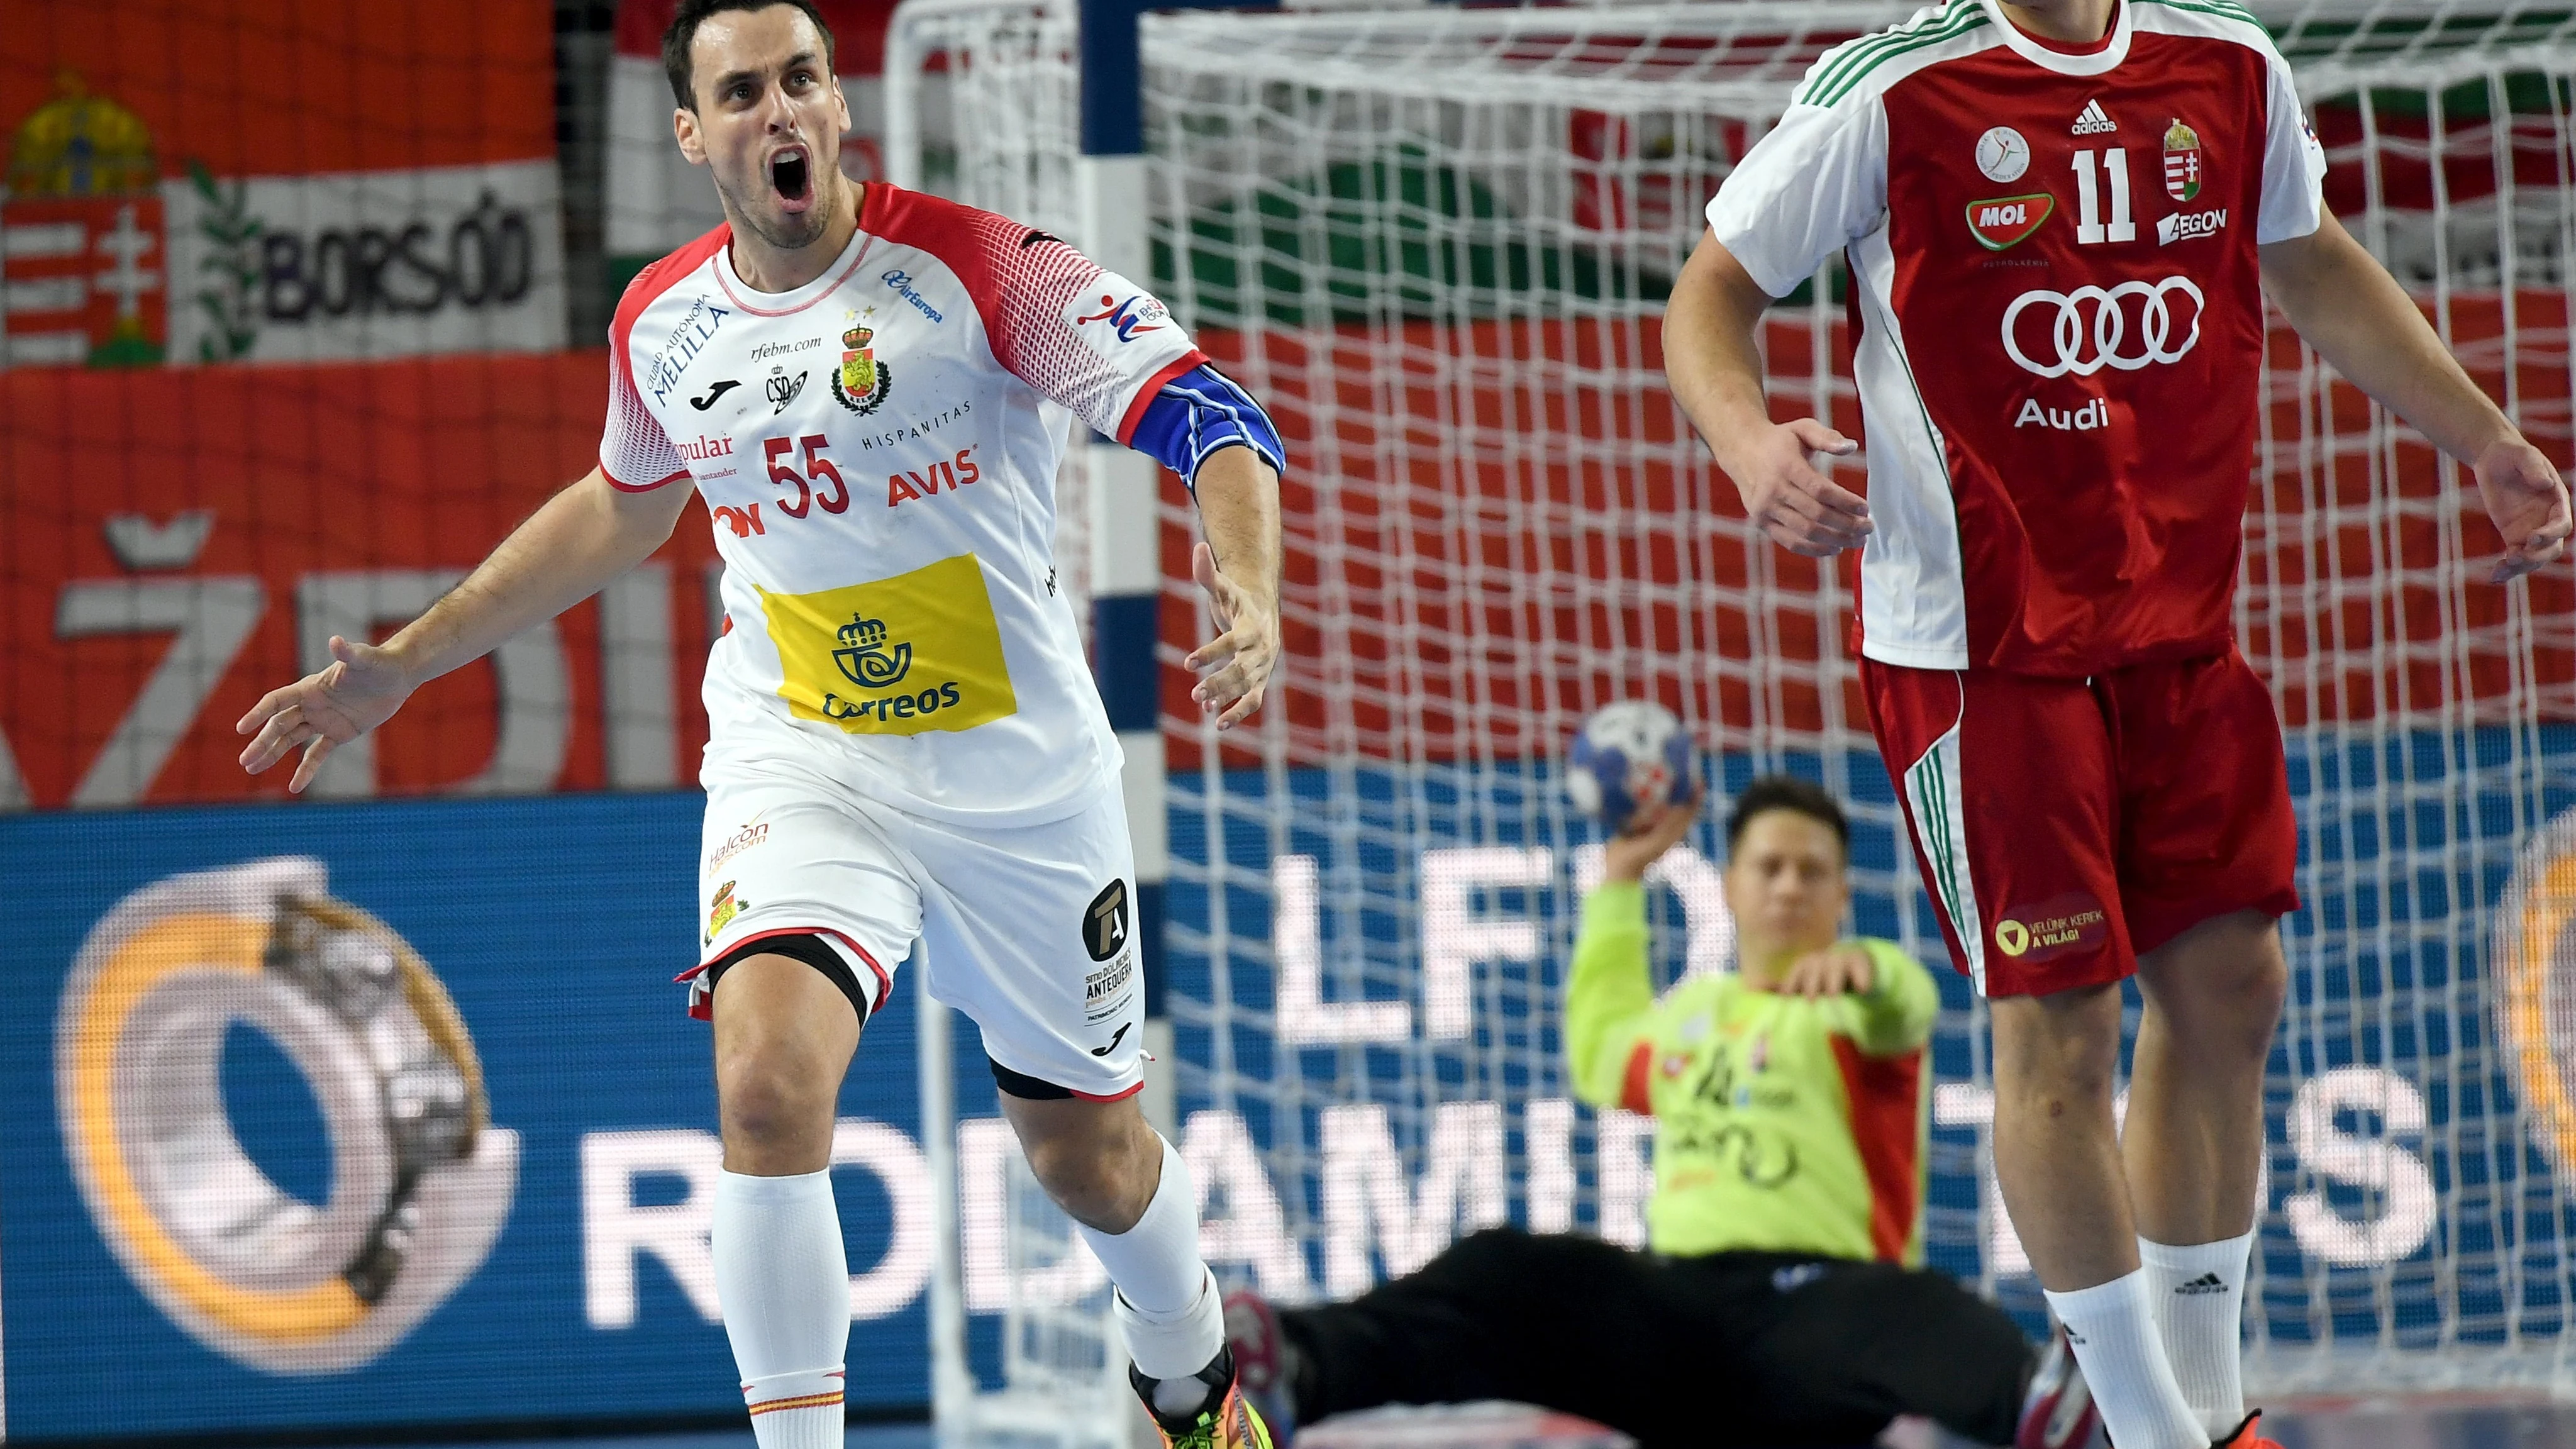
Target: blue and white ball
column 1628, row 755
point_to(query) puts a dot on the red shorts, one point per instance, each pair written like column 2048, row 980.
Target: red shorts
column 2067, row 825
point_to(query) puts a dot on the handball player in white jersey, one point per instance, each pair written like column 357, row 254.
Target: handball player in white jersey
column 871, row 390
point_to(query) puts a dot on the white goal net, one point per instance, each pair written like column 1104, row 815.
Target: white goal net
column 1436, row 243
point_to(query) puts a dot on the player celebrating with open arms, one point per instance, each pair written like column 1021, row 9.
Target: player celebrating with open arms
column 872, row 389
column 2061, row 218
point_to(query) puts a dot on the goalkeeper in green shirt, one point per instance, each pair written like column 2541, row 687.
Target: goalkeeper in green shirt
column 1784, row 1301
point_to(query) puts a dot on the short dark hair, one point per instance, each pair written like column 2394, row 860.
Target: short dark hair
column 1786, row 792
column 684, row 31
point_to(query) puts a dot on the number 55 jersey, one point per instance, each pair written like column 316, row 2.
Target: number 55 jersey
column 2057, row 310
column 877, row 451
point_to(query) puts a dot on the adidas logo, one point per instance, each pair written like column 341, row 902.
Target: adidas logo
column 2093, row 121
column 2205, row 1283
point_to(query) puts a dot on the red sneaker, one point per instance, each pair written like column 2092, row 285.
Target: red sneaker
column 2057, row 1410
column 1261, row 1364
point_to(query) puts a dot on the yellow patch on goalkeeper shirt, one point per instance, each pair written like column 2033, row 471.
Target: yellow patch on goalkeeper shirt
column 900, row 656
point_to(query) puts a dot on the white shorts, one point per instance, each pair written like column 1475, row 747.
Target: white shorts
column 1027, row 930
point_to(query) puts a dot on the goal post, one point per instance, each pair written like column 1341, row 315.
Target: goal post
column 1436, row 243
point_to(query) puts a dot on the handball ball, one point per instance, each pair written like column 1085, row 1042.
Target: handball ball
column 1629, row 755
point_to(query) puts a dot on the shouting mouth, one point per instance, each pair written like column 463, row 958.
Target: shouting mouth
column 791, row 175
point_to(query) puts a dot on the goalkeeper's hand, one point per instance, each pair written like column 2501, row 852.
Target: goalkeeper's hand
column 1789, row 498
column 2527, row 501
column 358, row 690
column 1833, row 971
column 1651, row 832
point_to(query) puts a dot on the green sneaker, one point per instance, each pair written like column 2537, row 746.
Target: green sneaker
column 1224, row 1422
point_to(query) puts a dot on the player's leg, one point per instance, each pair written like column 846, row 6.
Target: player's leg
column 1130, row 1196
column 2208, row 867
column 784, row 1036
column 2194, row 1142
column 1560, row 1321
column 2009, row 785
column 788, row 986
column 1030, row 932
column 2058, row 1161
column 1839, row 1348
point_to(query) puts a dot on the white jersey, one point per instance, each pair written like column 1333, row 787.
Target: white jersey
column 877, row 451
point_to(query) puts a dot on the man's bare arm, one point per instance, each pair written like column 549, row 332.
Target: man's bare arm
column 1238, row 566
column 2362, row 323
column 1715, row 371
column 585, row 535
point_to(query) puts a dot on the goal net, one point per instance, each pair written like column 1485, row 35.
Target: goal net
column 1436, row 243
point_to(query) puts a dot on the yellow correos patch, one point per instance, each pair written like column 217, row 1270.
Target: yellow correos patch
column 900, row 656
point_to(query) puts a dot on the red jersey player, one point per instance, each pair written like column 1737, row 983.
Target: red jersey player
column 2061, row 219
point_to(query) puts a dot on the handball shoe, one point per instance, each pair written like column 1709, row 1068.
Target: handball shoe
column 2057, row 1410
column 1261, row 1362
column 2248, row 1435
column 1222, row 1421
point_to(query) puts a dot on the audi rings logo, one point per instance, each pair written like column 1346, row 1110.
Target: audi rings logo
column 420, row 1180
column 2090, row 328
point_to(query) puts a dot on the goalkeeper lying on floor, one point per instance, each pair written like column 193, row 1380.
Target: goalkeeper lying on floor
column 1783, row 1302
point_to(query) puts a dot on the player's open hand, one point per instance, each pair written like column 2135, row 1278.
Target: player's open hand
column 1238, row 661
column 2528, row 502
column 1626, row 855
column 1833, row 971
column 1790, row 499
column 358, row 690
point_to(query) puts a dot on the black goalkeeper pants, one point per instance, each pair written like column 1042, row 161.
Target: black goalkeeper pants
column 1751, row 1349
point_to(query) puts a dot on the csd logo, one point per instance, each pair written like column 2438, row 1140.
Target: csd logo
column 420, row 1179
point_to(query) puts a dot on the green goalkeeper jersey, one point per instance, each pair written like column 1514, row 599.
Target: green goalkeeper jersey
column 1781, row 1123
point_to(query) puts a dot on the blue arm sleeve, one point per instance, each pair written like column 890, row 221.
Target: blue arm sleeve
column 1199, row 412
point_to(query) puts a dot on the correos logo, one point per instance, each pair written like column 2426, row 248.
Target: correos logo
column 2124, row 327
column 420, row 1179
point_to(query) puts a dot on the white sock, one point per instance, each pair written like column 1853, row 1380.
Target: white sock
column 784, row 1280
column 1167, row 1303
column 2198, row 1294
column 2123, row 1358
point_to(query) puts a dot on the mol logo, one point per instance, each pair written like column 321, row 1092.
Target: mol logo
column 2007, row 221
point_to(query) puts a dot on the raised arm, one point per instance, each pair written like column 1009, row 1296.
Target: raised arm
column 585, row 535
column 1610, row 988
column 2362, row 323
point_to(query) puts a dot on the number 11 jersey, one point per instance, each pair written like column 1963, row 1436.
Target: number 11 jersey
column 2058, row 318
column 877, row 451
